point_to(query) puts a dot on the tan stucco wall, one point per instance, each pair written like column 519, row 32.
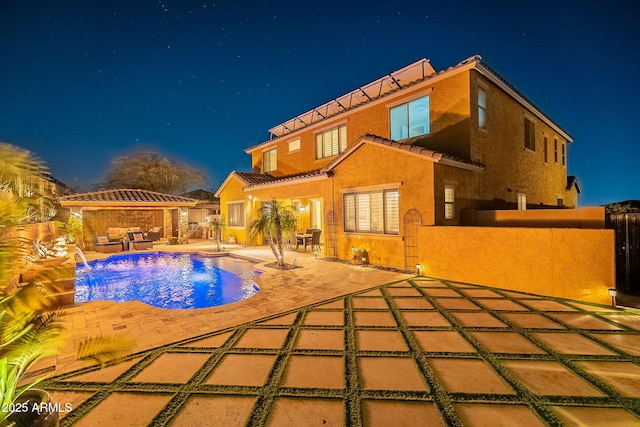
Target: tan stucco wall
column 232, row 192
column 510, row 167
column 366, row 168
column 450, row 128
column 587, row 217
column 567, row 263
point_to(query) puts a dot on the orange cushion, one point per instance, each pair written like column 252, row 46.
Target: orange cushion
column 137, row 237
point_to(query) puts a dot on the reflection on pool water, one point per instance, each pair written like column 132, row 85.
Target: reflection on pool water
column 167, row 280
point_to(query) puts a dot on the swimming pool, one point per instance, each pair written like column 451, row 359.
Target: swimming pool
column 167, row 280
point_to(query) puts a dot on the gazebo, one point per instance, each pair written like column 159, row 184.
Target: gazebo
column 100, row 210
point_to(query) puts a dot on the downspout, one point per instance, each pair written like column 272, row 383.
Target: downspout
column 333, row 223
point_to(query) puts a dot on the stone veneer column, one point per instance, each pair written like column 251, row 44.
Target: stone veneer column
column 166, row 224
column 80, row 240
column 183, row 225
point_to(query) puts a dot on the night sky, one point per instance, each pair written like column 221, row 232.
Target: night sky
column 82, row 82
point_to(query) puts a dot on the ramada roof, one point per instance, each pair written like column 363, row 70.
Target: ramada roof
column 126, row 197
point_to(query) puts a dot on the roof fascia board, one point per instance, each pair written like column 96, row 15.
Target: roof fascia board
column 286, row 182
column 233, row 174
column 119, row 205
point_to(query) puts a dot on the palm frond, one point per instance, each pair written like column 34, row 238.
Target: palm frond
column 101, row 350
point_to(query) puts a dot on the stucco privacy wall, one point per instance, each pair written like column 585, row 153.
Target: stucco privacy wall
column 586, row 217
column 566, row 263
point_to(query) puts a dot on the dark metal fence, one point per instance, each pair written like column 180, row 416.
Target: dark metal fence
column 626, row 227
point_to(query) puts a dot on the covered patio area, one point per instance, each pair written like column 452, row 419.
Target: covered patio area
column 102, row 211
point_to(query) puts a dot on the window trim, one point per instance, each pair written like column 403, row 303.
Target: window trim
column 387, row 229
column 451, row 203
column 526, row 135
column 483, row 88
column 342, row 145
column 555, row 150
column 522, row 201
column 545, row 147
column 229, row 217
column 274, row 167
column 293, row 141
column 394, row 106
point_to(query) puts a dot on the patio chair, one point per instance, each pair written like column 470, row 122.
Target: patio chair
column 290, row 239
column 137, row 241
column 314, row 240
column 301, row 240
column 154, row 234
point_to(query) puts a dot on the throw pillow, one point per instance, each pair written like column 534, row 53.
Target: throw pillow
column 103, row 239
column 137, row 237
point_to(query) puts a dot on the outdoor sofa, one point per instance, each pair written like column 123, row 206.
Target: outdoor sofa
column 102, row 244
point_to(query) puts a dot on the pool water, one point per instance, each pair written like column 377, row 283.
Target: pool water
column 167, row 280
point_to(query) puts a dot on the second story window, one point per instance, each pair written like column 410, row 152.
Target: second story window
column 482, row 107
column 546, row 149
column 555, row 150
column 529, row 134
column 564, row 155
column 270, row 160
column 410, row 119
column 294, row 145
column 331, row 142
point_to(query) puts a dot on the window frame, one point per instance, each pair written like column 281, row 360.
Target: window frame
column 354, row 218
column 555, row 150
column 482, row 108
column 232, row 220
column 406, row 106
column 529, row 134
column 522, row 201
column 450, row 202
column 295, row 142
column 341, row 145
column 546, row 148
column 267, row 166
column 564, row 154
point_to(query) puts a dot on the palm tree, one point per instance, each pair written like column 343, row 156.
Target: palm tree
column 273, row 220
column 218, row 227
column 30, row 324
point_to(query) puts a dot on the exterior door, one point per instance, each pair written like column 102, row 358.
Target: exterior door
column 315, row 213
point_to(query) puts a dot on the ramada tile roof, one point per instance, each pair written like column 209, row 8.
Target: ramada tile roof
column 126, row 196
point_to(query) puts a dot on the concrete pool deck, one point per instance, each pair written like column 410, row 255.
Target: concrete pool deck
column 334, row 344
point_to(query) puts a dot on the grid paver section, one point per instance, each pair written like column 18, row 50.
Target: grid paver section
column 418, row 350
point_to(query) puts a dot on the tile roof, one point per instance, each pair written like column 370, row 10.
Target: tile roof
column 250, row 178
column 121, row 196
column 436, row 156
column 292, row 177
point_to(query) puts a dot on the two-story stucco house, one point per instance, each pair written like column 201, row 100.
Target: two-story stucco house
column 417, row 146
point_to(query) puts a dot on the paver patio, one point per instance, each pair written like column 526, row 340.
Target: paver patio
column 408, row 351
